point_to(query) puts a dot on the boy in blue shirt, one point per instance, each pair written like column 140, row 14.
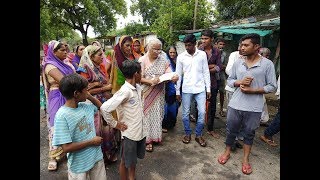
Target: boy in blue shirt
column 75, row 130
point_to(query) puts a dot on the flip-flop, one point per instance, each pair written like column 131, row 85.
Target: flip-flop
column 246, row 169
column 52, row 165
column 201, row 141
column 268, row 141
column 186, row 139
column 222, row 160
column 149, row 147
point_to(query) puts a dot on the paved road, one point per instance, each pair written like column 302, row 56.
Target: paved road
column 175, row 160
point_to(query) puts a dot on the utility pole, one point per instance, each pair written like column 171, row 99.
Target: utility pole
column 195, row 14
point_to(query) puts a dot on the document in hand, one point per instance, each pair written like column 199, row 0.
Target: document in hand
column 166, row 76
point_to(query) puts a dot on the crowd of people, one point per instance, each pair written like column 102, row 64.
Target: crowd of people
column 100, row 108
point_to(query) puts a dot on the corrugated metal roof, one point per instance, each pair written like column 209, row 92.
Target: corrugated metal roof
column 262, row 28
column 245, row 31
column 275, row 22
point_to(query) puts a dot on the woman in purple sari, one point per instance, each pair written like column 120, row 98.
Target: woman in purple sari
column 54, row 68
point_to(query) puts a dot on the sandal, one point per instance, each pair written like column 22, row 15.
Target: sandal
column 222, row 114
column 52, row 165
column 201, row 141
column 246, row 169
column 268, row 141
column 149, row 147
column 214, row 134
column 186, row 139
column 222, row 160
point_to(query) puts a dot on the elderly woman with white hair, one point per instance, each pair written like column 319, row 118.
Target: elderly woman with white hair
column 153, row 65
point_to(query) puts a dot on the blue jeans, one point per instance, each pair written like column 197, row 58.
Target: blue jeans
column 201, row 106
column 274, row 127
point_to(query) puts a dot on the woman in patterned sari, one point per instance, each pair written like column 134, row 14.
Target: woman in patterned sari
column 106, row 62
column 92, row 68
column 154, row 65
column 54, row 68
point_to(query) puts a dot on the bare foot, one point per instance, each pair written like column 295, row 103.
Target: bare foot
column 214, row 134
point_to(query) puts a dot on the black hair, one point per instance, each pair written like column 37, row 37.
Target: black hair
column 255, row 38
column 190, row 38
column 77, row 48
column 219, row 39
column 71, row 83
column 207, row 32
column 168, row 55
column 129, row 67
column 168, row 49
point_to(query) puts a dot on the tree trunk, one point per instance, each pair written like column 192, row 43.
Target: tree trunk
column 84, row 38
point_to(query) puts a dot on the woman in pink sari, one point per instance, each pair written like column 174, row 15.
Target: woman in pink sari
column 154, row 65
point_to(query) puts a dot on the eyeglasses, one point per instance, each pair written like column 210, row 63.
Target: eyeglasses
column 156, row 50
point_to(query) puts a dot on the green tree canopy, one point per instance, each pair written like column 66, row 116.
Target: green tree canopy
column 79, row 15
column 134, row 28
column 236, row 9
column 166, row 17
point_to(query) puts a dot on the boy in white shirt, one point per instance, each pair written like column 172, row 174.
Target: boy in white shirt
column 128, row 104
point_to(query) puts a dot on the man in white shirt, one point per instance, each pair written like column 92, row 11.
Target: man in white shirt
column 192, row 66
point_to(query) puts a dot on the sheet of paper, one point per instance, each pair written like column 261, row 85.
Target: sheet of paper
column 166, row 76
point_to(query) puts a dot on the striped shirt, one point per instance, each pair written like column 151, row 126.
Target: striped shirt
column 77, row 125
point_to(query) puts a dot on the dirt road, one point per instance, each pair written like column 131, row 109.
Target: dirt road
column 175, row 160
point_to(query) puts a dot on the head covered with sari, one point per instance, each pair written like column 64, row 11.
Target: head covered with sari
column 86, row 65
column 135, row 54
column 96, row 42
column 116, row 76
column 118, row 50
column 54, row 60
column 87, row 52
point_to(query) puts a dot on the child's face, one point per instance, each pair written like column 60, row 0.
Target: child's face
column 83, row 95
column 137, row 76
